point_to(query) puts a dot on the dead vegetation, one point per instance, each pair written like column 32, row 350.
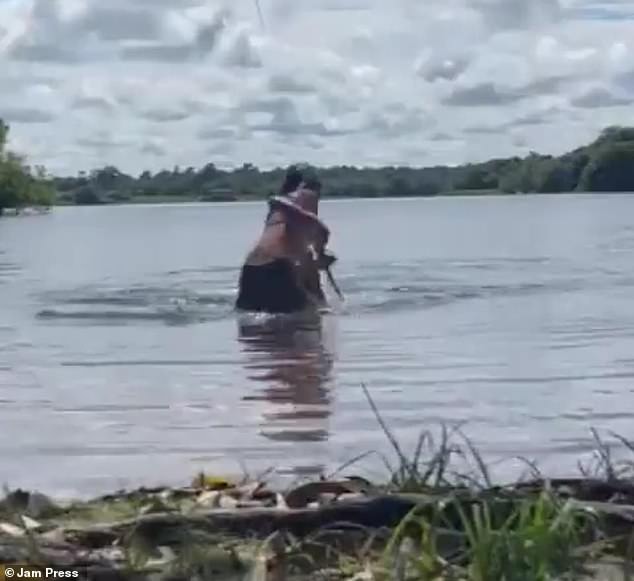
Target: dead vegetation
column 431, row 520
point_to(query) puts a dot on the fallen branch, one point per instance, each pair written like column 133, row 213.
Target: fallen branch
column 371, row 513
column 167, row 528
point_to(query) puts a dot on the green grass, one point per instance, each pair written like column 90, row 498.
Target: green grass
column 464, row 527
column 535, row 540
column 471, row 530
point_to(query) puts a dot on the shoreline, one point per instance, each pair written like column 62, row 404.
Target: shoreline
column 348, row 525
column 437, row 515
column 456, row 194
column 196, row 201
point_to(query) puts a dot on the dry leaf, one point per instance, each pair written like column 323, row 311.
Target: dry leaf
column 11, row 530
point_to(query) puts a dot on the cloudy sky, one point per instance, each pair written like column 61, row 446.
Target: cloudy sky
column 146, row 84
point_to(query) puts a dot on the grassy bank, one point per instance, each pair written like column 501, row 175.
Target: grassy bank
column 436, row 516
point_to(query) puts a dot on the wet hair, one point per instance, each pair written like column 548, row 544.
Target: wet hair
column 312, row 183
column 292, row 180
column 296, row 177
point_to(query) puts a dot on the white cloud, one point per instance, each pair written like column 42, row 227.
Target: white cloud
column 155, row 83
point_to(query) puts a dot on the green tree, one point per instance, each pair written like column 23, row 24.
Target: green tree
column 602, row 165
column 20, row 185
column 87, row 195
column 4, row 131
column 14, row 183
column 610, row 169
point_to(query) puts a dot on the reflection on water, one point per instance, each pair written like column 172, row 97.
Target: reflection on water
column 293, row 362
column 117, row 323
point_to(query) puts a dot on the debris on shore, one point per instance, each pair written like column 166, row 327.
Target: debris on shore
column 430, row 521
column 330, row 529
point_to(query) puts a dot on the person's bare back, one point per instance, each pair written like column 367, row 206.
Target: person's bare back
column 281, row 273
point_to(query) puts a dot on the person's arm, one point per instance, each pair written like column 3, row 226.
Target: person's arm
column 321, row 239
column 316, row 236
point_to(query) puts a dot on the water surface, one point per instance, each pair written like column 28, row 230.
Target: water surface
column 122, row 362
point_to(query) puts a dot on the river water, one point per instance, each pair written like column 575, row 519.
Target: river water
column 122, row 362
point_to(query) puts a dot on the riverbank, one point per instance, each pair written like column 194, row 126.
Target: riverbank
column 331, row 530
column 175, row 200
column 432, row 518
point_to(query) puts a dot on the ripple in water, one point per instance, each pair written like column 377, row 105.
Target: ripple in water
column 120, row 306
column 7, row 271
column 369, row 291
column 522, row 326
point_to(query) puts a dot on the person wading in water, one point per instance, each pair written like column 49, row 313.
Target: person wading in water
column 281, row 274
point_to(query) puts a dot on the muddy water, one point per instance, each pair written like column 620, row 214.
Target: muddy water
column 122, row 362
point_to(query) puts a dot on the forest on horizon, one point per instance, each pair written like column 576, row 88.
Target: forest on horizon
column 605, row 165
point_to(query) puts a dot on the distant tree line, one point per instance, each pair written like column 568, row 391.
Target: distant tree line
column 607, row 164
column 20, row 185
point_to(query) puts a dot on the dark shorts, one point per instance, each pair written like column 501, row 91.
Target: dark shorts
column 270, row 288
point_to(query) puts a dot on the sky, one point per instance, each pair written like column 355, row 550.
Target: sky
column 152, row 84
